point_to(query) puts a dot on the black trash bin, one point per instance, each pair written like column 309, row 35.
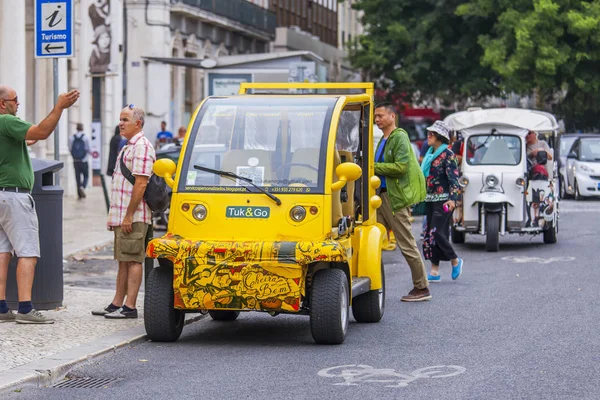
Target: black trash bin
column 47, row 292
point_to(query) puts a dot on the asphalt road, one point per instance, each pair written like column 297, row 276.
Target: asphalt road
column 519, row 324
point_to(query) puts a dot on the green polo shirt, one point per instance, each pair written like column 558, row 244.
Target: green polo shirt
column 15, row 165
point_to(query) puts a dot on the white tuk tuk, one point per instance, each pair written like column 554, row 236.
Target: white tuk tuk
column 500, row 192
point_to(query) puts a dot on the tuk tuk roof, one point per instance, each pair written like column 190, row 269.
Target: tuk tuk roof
column 524, row 119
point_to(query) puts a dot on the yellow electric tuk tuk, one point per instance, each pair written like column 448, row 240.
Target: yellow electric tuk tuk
column 274, row 210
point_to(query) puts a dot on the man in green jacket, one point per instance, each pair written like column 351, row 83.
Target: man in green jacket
column 402, row 185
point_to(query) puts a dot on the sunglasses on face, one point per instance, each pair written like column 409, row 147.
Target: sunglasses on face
column 16, row 99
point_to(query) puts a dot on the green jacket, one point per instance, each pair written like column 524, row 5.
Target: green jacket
column 403, row 176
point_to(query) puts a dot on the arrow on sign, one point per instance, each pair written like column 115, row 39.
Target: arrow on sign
column 48, row 48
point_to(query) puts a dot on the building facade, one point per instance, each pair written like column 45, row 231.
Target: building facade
column 317, row 17
column 113, row 41
column 349, row 26
column 120, row 52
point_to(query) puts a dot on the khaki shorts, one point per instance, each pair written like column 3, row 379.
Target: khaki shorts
column 131, row 246
column 19, row 231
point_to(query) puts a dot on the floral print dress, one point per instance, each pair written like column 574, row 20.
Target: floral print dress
column 442, row 182
column 442, row 185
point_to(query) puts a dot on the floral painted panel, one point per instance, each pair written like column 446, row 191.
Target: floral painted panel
column 263, row 276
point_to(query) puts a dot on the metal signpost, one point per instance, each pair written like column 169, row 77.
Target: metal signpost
column 54, row 35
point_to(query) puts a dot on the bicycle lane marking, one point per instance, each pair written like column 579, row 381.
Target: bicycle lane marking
column 355, row 374
column 538, row 260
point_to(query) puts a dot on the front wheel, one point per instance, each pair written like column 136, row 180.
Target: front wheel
column 563, row 190
column 578, row 195
column 329, row 306
column 162, row 321
column 368, row 307
column 492, row 232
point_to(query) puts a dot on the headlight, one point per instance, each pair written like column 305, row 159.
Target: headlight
column 199, row 212
column 585, row 168
column 463, row 181
column 491, row 181
column 298, row 213
column 520, row 182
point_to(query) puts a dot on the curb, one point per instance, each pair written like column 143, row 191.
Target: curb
column 50, row 369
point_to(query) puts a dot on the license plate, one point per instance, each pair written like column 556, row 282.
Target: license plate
column 247, row 212
column 598, row 185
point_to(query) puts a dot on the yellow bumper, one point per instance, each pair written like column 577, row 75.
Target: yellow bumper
column 263, row 276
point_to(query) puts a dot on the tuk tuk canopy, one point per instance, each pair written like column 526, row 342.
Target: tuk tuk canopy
column 517, row 120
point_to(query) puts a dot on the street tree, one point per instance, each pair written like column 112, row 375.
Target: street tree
column 476, row 48
column 551, row 47
column 423, row 48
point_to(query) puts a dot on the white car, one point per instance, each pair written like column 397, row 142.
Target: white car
column 583, row 168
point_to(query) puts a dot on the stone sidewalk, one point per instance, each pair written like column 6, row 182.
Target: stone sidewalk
column 40, row 354
column 84, row 222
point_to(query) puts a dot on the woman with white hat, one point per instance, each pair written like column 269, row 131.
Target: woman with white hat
column 440, row 168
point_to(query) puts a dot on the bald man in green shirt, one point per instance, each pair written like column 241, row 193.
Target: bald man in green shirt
column 18, row 220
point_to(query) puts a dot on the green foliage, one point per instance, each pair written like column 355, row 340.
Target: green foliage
column 424, row 47
column 476, row 48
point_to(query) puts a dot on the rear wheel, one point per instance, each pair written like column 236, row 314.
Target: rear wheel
column 228, row 315
column 368, row 307
column 492, row 232
column 457, row 237
column 329, row 306
column 162, row 321
column 550, row 233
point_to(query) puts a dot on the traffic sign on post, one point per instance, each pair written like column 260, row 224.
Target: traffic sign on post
column 54, row 28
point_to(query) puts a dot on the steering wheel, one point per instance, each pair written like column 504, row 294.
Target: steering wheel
column 278, row 171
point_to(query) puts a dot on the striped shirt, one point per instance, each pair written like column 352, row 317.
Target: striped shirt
column 138, row 155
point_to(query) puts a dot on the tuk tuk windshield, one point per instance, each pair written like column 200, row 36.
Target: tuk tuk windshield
column 496, row 149
column 279, row 143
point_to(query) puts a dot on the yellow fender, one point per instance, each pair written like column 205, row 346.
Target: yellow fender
column 369, row 255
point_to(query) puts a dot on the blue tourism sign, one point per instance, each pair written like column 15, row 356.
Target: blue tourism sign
column 54, row 28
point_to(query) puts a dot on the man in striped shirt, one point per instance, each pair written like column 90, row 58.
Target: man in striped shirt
column 129, row 216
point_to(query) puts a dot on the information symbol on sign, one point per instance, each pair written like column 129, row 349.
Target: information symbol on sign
column 54, row 16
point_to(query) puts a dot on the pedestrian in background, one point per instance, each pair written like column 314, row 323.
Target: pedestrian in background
column 129, row 216
column 117, row 142
column 441, row 171
column 164, row 136
column 402, row 185
column 79, row 145
column 19, row 230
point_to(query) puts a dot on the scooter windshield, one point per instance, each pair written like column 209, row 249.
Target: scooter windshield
column 279, row 143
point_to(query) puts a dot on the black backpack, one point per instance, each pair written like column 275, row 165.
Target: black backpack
column 78, row 148
column 156, row 195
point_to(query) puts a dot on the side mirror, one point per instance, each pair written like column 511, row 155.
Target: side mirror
column 572, row 155
column 346, row 172
column 165, row 168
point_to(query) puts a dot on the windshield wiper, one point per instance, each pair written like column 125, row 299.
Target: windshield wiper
column 494, row 132
column 231, row 175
